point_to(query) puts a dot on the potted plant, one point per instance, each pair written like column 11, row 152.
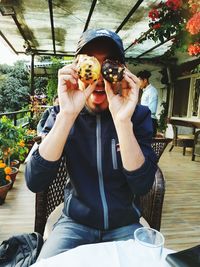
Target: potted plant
column 162, row 123
column 25, row 143
column 20, row 151
column 5, row 181
column 29, row 136
column 37, row 103
column 9, row 140
column 9, row 136
column 15, row 143
column 15, row 162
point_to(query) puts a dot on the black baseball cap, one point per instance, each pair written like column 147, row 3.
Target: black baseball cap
column 92, row 34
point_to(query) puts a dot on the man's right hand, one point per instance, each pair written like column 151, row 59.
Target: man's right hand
column 72, row 94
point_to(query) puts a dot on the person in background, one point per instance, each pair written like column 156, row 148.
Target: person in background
column 41, row 124
column 45, row 115
column 149, row 96
column 106, row 139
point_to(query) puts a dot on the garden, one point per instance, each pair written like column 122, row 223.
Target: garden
column 20, row 113
column 15, row 144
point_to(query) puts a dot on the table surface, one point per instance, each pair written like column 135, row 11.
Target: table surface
column 107, row 254
column 185, row 122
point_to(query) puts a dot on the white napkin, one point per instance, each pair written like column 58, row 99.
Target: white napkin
column 97, row 255
column 107, row 254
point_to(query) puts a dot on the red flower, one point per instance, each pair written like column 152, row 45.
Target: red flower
column 154, row 14
column 194, row 49
column 156, row 26
column 174, row 4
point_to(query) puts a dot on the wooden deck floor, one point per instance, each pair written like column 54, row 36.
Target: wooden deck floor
column 17, row 213
column 181, row 210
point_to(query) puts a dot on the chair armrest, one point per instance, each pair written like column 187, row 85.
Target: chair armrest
column 40, row 212
column 151, row 204
column 48, row 200
column 159, row 145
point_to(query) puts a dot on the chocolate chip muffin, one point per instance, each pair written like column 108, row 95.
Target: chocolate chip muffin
column 112, row 71
column 89, row 68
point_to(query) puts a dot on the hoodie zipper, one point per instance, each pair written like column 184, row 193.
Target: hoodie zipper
column 100, row 172
column 114, row 154
column 135, row 208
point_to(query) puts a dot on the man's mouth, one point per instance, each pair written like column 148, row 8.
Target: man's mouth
column 98, row 96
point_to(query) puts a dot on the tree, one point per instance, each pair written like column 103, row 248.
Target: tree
column 14, row 87
column 4, row 69
column 40, row 85
column 15, row 96
column 53, row 80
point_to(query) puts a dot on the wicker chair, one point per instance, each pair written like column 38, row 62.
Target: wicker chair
column 159, row 144
column 182, row 140
column 47, row 201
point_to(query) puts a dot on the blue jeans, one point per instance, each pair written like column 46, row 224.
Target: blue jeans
column 68, row 234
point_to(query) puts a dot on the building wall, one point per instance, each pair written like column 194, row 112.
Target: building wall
column 155, row 80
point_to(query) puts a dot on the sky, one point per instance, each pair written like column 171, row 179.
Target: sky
column 7, row 56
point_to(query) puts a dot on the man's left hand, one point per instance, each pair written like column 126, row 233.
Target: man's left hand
column 122, row 105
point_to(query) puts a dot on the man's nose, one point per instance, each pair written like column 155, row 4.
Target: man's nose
column 101, row 77
column 100, row 80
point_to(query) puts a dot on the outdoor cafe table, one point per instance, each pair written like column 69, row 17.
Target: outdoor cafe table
column 106, row 254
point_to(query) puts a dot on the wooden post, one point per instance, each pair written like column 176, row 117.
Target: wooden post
column 32, row 74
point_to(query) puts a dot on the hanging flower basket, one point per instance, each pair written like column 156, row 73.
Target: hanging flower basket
column 3, row 192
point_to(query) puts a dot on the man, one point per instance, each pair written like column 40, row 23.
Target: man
column 45, row 115
column 106, row 140
column 149, row 96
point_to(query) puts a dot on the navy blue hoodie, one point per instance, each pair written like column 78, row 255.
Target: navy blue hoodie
column 103, row 192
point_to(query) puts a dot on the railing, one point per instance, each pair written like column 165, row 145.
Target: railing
column 22, row 117
column 17, row 117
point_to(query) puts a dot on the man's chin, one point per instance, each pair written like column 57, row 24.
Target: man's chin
column 97, row 108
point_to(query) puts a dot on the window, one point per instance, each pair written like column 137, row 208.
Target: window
column 186, row 99
column 181, row 97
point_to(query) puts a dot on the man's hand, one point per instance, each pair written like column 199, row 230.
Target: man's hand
column 123, row 105
column 71, row 98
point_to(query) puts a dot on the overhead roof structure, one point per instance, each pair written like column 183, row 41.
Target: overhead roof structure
column 53, row 27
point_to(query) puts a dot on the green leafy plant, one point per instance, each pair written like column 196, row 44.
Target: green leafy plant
column 9, row 136
column 162, row 123
column 37, row 101
column 11, row 141
column 14, row 87
column 5, row 172
column 29, row 135
column 53, row 80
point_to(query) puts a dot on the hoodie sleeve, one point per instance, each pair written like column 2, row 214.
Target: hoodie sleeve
column 141, row 180
column 39, row 173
